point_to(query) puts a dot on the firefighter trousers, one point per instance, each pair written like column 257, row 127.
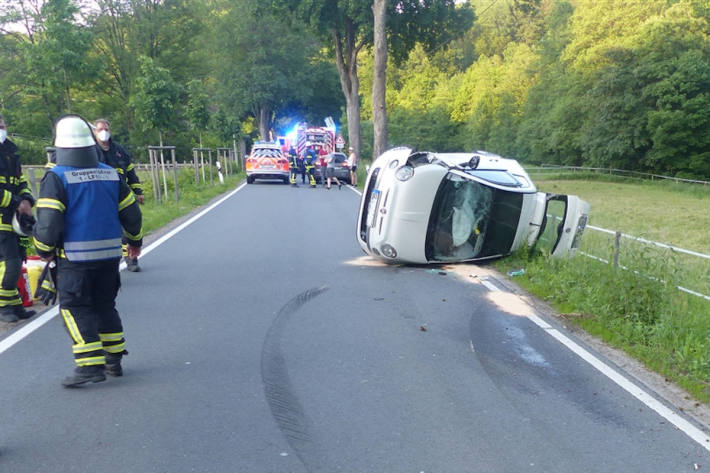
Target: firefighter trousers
column 10, row 268
column 87, row 303
column 311, row 176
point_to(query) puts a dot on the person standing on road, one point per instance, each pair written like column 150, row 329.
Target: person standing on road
column 83, row 209
column 302, row 166
column 352, row 164
column 310, row 164
column 293, row 165
column 322, row 155
column 330, row 171
column 118, row 158
column 15, row 201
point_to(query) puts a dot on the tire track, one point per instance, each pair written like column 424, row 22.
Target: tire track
column 285, row 406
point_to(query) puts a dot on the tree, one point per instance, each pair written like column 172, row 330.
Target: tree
column 348, row 26
column 156, row 98
column 50, row 50
column 379, row 106
column 262, row 64
column 197, row 107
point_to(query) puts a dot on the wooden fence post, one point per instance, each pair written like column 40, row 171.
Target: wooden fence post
column 33, row 182
column 175, row 174
column 154, row 174
column 196, row 166
column 617, row 245
column 209, row 153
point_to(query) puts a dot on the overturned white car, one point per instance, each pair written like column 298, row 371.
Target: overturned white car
column 425, row 207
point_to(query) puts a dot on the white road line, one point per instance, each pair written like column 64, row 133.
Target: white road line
column 491, row 287
column 682, row 424
column 26, row 330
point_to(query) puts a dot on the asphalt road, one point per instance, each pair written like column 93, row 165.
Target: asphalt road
column 262, row 340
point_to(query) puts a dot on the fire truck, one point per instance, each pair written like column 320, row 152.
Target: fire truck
column 321, row 137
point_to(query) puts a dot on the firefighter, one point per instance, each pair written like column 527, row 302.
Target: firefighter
column 310, row 164
column 83, row 209
column 117, row 157
column 293, row 165
column 15, row 201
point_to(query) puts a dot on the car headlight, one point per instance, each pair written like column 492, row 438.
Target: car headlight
column 388, row 251
column 404, row 173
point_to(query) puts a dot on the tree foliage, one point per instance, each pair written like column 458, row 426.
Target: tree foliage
column 613, row 83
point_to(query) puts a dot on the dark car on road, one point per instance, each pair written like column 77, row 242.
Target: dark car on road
column 340, row 163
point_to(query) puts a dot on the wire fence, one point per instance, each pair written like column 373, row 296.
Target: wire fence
column 694, row 268
column 617, row 172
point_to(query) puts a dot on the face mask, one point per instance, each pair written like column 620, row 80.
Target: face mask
column 3, row 136
column 104, row 135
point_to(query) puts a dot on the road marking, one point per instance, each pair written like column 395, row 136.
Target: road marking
column 48, row 315
column 682, row 424
column 491, row 287
column 689, row 429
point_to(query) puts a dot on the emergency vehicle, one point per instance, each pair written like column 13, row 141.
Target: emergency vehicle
column 320, row 137
column 267, row 161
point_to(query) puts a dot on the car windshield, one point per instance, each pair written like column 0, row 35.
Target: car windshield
column 470, row 220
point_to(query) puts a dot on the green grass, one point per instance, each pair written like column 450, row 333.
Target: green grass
column 192, row 196
column 649, row 318
column 676, row 214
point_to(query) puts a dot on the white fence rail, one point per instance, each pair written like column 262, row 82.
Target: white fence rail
column 618, row 172
column 620, row 235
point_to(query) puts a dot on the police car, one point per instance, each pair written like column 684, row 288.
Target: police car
column 426, row 207
column 267, row 161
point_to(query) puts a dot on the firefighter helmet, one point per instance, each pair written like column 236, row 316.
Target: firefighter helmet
column 72, row 131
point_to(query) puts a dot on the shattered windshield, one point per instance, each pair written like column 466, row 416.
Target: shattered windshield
column 471, row 220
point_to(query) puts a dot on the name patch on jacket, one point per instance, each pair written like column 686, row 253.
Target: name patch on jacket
column 89, row 175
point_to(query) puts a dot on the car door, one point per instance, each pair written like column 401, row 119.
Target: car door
column 564, row 221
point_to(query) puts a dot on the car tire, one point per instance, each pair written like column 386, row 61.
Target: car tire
column 286, row 180
column 250, row 180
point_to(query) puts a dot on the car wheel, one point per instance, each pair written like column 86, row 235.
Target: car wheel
column 285, row 179
column 250, row 180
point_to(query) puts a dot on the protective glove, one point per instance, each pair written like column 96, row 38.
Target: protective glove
column 25, row 243
column 46, row 284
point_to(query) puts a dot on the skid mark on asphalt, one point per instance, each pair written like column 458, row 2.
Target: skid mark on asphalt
column 283, row 402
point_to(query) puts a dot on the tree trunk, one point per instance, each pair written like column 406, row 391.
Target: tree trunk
column 346, row 52
column 264, row 119
column 379, row 105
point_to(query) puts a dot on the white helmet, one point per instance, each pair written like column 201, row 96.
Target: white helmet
column 72, row 131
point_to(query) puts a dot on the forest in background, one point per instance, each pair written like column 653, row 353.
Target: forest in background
column 604, row 83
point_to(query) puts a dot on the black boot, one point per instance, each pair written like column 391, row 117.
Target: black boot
column 85, row 374
column 8, row 317
column 22, row 313
column 113, row 363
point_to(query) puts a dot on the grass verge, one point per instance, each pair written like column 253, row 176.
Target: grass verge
column 638, row 310
column 192, row 196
